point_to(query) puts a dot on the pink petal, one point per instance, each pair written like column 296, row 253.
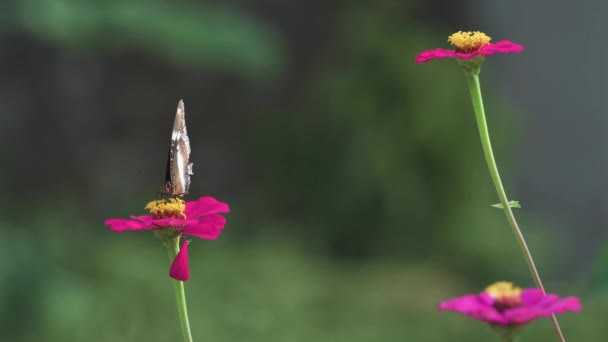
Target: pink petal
column 504, row 46
column 135, row 223
column 172, row 222
column 213, row 218
column 566, row 304
column 486, row 298
column 537, row 305
column 426, row 56
column 524, row 314
column 548, row 300
column 531, row 296
column 146, row 222
column 203, row 230
column 205, row 206
column 473, row 306
column 468, row 55
column 179, row 268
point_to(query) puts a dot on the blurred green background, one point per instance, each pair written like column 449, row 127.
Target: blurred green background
column 359, row 193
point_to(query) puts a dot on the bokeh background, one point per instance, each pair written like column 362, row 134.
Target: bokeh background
column 359, row 193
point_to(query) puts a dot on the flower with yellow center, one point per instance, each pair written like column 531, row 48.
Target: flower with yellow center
column 173, row 207
column 172, row 220
column 505, row 294
column 469, row 45
column 502, row 288
column 468, row 41
column 504, row 305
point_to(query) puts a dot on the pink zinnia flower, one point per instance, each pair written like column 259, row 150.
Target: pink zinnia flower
column 172, row 219
column 505, row 305
column 469, row 45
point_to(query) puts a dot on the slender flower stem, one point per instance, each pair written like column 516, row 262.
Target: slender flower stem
column 180, row 295
column 507, row 333
column 507, row 339
column 475, row 90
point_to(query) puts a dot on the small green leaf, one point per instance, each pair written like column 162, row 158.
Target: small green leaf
column 512, row 204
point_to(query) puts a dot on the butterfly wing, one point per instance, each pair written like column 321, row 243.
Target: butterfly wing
column 179, row 168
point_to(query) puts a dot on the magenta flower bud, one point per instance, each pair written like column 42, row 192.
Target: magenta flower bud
column 179, row 267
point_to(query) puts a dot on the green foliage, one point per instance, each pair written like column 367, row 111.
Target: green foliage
column 207, row 35
column 598, row 284
column 101, row 286
column 382, row 157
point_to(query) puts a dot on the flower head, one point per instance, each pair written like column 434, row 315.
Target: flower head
column 172, row 218
column 469, row 45
column 506, row 305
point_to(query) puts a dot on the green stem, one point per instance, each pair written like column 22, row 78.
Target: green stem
column 180, row 295
column 475, row 90
column 507, row 333
column 507, row 339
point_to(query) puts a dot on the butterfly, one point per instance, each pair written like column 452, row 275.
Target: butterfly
column 179, row 168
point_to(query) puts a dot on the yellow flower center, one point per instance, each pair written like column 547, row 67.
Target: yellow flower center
column 468, row 41
column 505, row 294
column 173, row 207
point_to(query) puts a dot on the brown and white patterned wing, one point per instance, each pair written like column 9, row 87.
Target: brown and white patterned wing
column 179, row 168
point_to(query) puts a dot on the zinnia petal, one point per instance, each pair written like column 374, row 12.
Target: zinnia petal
column 524, row 314
column 205, row 206
column 173, row 222
column 135, row 223
column 426, row 56
column 566, row 304
column 531, row 296
column 179, row 268
column 503, row 46
column 473, row 306
column 213, row 218
column 203, row 230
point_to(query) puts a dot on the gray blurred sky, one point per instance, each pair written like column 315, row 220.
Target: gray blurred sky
column 559, row 83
